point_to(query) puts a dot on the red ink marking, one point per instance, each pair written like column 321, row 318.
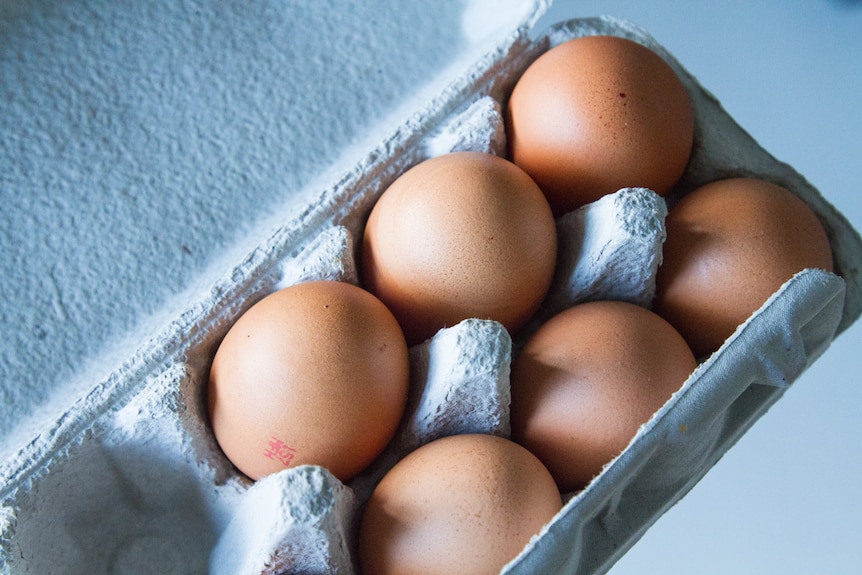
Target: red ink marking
column 278, row 450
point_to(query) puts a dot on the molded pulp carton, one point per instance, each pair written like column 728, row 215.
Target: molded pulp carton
column 129, row 479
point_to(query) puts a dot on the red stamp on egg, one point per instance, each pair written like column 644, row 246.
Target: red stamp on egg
column 278, row 450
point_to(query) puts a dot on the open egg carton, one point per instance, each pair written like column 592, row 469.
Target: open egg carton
column 131, row 479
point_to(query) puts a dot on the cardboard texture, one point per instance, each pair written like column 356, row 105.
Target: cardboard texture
column 127, row 478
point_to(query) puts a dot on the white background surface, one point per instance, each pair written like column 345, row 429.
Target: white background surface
column 786, row 499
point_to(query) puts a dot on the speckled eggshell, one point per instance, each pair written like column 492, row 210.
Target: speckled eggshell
column 587, row 380
column 463, row 235
column 463, row 504
column 730, row 245
column 316, row 373
column 596, row 114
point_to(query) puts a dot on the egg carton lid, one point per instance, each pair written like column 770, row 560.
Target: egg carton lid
column 147, row 147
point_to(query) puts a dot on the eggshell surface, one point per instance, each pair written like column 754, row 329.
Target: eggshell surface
column 587, row 379
column 316, row 373
column 464, row 504
column 730, row 245
column 463, row 235
column 597, row 114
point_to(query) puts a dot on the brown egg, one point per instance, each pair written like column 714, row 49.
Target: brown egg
column 596, row 114
column 460, row 236
column 730, row 245
column 464, row 504
column 316, row 373
column 587, row 379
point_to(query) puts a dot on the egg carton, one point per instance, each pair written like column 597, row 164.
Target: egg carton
column 131, row 480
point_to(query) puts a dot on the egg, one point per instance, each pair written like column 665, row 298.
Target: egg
column 730, row 245
column 316, row 373
column 463, row 235
column 588, row 379
column 463, row 504
column 596, row 114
